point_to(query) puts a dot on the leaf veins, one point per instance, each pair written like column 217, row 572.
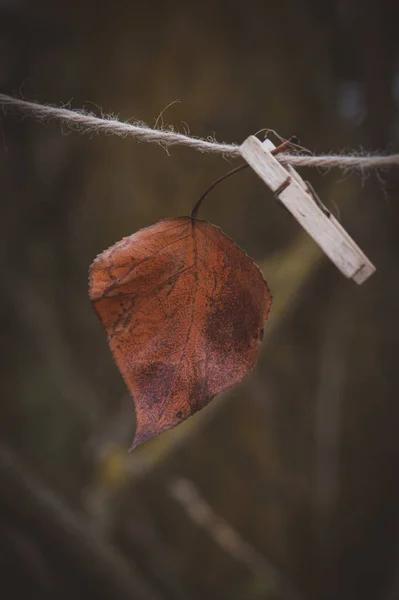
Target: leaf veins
column 184, row 309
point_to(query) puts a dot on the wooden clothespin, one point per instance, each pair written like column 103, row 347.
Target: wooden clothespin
column 296, row 196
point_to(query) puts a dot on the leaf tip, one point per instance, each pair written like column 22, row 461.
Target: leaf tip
column 141, row 437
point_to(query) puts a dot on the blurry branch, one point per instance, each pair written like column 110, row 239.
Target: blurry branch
column 288, row 272
column 227, row 538
column 106, row 569
column 102, row 491
column 101, row 497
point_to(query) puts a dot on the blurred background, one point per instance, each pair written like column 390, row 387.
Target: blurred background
column 285, row 487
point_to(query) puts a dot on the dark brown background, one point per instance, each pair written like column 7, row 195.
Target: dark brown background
column 302, row 458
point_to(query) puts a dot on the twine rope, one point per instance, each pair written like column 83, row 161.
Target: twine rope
column 85, row 122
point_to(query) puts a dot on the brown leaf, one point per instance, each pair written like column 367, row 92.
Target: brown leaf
column 184, row 309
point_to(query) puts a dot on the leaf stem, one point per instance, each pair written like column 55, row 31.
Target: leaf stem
column 286, row 145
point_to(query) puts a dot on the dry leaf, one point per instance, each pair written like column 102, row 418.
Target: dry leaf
column 184, row 309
